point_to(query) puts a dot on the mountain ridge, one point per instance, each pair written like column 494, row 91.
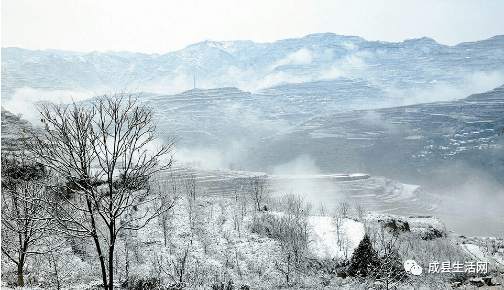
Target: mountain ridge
column 250, row 66
column 308, row 36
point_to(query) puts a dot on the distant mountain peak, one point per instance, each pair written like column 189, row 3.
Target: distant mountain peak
column 497, row 37
column 331, row 35
column 422, row 40
column 496, row 41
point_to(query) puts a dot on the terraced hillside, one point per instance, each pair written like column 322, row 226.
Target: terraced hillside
column 407, row 142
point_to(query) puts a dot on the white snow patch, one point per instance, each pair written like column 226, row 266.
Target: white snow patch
column 475, row 251
column 354, row 231
column 324, row 238
column 413, row 137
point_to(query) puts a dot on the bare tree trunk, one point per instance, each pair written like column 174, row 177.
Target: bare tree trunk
column 20, row 273
column 126, row 246
column 97, row 244
column 102, row 260
column 22, row 261
column 111, row 266
column 55, row 267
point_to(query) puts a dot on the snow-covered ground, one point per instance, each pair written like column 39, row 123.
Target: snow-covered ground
column 324, row 237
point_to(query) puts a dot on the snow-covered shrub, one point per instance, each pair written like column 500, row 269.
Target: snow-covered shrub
column 223, row 286
column 176, row 286
column 139, row 283
column 291, row 233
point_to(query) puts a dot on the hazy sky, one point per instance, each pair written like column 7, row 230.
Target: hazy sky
column 159, row 26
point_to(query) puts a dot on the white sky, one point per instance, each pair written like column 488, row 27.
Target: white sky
column 159, row 26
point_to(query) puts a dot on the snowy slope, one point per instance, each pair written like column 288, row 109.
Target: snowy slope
column 324, row 239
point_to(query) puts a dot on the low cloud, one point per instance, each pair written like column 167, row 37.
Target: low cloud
column 300, row 57
column 484, row 81
column 350, row 66
column 302, row 165
column 474, row 192
column 333, row 73
column 24, row 101
column 280, row 78
column 355, row 61
column 350, row 45
column 199, row 157
column 175, row 85
column 472, row 83
column 302, row 176
column 228, row 157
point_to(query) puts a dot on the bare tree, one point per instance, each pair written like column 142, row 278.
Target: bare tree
column 258, row 190
column 189, row 181
column 190, row 184
column 109, row 142
column 308, row 208
column 388, row 272
column 345, row 244
column 294, row 205
column 24, row 222
column 180, row 265
column 343, row 209
column 360, row 209
column 238, row 187
column 168, row 189
column 322, row 209
column 338, row 224
column 293, row 242
column 60, row 264
column 292, row 233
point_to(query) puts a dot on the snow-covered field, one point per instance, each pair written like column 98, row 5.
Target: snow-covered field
column 377, row 194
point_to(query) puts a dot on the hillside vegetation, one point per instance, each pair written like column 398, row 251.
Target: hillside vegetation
column 207, row 241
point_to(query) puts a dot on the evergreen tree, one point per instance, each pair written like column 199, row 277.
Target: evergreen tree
column 364, row 259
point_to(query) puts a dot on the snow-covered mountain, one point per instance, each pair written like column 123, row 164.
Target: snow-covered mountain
column 416, row 64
